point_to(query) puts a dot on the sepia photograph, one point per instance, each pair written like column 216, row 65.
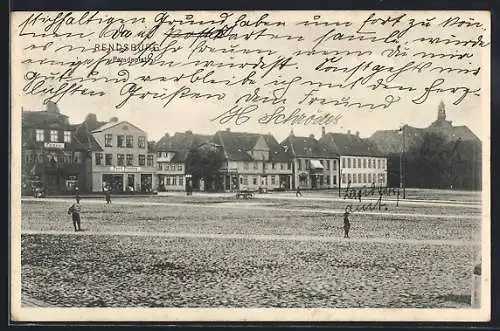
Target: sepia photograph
column 250, row 166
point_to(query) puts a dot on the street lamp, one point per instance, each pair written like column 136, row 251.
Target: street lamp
column 401, row 167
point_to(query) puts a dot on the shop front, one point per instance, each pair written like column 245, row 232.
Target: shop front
column 122, row 179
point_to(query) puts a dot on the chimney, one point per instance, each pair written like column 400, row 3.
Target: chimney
column 92, row 118
column 323, row 131
column 52, row 107
column 357, row 134
column 348, row 132
column 113, row 119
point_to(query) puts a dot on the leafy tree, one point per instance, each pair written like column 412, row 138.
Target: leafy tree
column 204, row 162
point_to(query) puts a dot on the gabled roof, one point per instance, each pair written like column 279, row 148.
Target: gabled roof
column 45, row 120
column 297, row 146
column 82, row 136
column 349, row 145
column 181, row 143
column 111, row 124
column 236, row 145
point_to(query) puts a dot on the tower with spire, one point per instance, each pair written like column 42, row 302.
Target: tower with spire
column 441, row 121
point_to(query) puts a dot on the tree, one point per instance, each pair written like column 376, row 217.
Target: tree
column 204, row 162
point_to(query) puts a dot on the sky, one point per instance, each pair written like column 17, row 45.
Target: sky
column 186, row 114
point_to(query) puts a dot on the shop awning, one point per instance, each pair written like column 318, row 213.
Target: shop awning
column 315, row 164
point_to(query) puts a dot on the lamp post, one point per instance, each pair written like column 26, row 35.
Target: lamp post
column 401, row 166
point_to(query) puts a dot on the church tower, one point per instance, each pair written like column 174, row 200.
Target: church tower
column 441, row 112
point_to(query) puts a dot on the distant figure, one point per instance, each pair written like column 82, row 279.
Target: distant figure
column 298, row 193
column 77, row 192
column 75, row 210
column 359, row 195
column 108, row 197
column 347, row 225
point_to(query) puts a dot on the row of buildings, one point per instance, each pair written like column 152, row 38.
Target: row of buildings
column 117, row 155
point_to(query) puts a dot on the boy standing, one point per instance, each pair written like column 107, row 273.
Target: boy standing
column 75, row 210
column 347, row 225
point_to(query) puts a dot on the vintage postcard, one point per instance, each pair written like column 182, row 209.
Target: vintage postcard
column 250, row 166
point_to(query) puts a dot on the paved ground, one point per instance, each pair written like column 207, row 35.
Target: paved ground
column 272, row 251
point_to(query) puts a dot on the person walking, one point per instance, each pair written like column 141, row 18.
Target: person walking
column 74, row 211
column 359, row 195
column 347, row 224
column 298, row 193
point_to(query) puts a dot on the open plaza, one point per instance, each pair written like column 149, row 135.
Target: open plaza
column 274, row 250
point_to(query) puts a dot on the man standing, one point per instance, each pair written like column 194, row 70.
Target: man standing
column 347, row 225
column 75, row 210
column 298, row 193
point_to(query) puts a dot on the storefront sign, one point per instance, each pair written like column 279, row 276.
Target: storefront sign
column 54, row 145
column 125, row 169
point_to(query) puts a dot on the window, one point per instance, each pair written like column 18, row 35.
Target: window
column 245, row 179
column 328, row 164
column 364, row 163
column 54, row 136
column 255, row 180
column 179, row 167
column 348, row 162
column 256, row 165
column 98, row 158
column 307, row 164
column 158, row 154
column 282, row 166
column 369, row 163
column 374, row 165
column 167, row 166
column 299, row 161
column 369, row 175
column 343, row 178
column 328, row 180
column 273, row 180
column 78, row 157
column 174, row 180
column 108, row 140
column 364, row 178
column 264, row 165
column 343, row 165
column 334, row 180
column 67, row 157
column 120, row 158
column 378, row 164
column 349, row 178
column 67, row 136
column 241, row 180
column 359, row 178
column 245, row 165
column 119, row 140
column 40, row 135
column 141, row 142
column 130, row 159
column 181, row 181
column 150, row 161
column 129, row 141
column 273, row 166
column 354, row 163
column 142, row 159
column 109, row 159
column 334, row 164
column 289, row 165
column 354, row 178
column 168, row 180
column 359, row 163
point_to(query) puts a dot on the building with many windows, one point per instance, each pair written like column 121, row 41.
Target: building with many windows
column 361, row 163
column 52, row 156
column 314, row 165
column 123, row 162
column 252, row 161
column 171, row 154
